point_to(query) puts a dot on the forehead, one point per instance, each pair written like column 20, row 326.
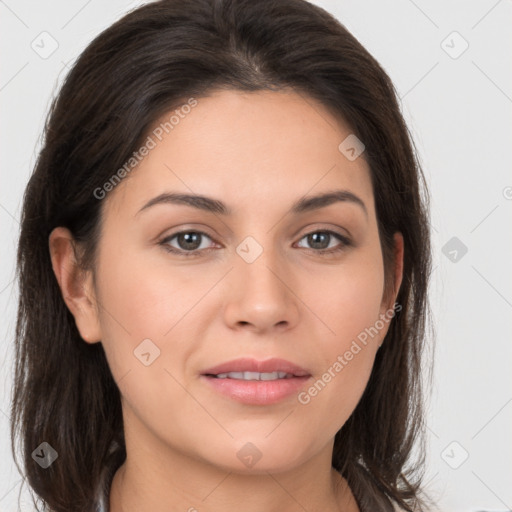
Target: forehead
column 251, row 149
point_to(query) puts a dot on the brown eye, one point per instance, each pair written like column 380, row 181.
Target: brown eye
column 189, row 242
column 319, row 241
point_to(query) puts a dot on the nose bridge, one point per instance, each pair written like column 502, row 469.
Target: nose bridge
column 261, row 295
column 259, row 263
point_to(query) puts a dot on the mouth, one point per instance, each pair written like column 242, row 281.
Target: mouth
column 256, row 382
column 252, row 369
column 253, row 375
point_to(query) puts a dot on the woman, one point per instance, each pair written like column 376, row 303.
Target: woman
column 223, row 266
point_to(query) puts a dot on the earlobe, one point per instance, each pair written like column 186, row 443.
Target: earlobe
column 76, row 285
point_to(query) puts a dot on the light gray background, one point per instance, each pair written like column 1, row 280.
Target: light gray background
column 458, row 108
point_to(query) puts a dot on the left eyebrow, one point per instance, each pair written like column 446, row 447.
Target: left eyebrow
column 209, row 204
column 306, row 204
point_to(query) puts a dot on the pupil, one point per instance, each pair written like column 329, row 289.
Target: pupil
column 190, row 240
column 313, row 240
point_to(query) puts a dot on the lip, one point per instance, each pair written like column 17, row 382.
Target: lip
column 257, row 392
column 253, row 365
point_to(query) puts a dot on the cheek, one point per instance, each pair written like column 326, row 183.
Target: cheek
column 347, row 299
column 141, row 314
column 150, row 314
column 137, row 304
column 142, row 299
column 349, row 304
column 336, row 389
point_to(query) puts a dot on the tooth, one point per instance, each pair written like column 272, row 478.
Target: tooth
column 254, row 375
column 269, row 376
column 236, row 375
column 251, row 376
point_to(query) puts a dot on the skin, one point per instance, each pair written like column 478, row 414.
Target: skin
column 258, row 153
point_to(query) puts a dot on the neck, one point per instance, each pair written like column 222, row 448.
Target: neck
column 192, row 486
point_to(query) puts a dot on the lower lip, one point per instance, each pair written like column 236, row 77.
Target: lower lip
column 257, row 392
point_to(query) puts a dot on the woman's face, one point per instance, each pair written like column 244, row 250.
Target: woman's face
column 255, row 286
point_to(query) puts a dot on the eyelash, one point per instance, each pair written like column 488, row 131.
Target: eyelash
column 345, row 243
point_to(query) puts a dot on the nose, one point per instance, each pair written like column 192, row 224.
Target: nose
column 262, row 294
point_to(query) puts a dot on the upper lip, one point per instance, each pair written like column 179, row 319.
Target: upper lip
column 253, row 365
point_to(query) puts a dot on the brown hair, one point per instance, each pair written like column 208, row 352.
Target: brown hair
column 131, row 74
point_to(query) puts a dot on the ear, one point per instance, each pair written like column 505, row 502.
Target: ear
column 75, row 284
column 389, row 298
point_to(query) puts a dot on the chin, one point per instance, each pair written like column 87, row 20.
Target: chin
column 259, row 457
